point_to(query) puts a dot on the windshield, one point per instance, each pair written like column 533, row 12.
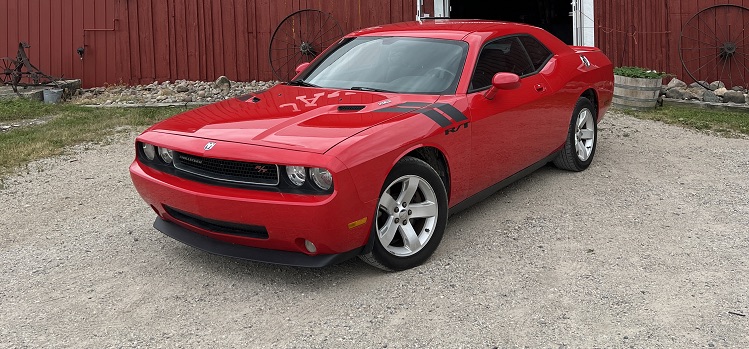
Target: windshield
column 391, row 64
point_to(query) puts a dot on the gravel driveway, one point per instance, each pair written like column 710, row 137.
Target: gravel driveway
column 647, row 248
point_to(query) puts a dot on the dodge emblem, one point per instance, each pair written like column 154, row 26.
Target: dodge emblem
column 209, row 146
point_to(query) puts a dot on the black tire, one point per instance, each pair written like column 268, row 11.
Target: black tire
column 569, row 157
column 398, row 255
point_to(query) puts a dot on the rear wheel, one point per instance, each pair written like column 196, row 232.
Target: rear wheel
column 411, row 216
column 580, row 146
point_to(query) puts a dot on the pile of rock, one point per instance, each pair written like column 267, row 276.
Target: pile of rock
column 716, row 92
column 167, row 92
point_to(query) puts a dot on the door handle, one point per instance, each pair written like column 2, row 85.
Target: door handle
column 540, row 88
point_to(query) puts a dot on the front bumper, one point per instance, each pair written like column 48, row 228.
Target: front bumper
column 338, row 224
column 202, row 242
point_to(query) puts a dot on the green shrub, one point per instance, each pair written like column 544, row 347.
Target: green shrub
column 637, row 72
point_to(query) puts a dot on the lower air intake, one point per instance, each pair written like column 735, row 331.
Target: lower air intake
column 250, row 231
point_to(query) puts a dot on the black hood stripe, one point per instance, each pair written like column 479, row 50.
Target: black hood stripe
column 430, row 110
column 452, row 112
column 437, row 117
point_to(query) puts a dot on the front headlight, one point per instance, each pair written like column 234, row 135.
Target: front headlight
column 166, row 154
column 322, row 178
column 149, row 151
column 297, row 175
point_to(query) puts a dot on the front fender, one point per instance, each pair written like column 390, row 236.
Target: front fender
column 370, row 155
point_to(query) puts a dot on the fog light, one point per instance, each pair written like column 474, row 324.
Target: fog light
column 310, row 246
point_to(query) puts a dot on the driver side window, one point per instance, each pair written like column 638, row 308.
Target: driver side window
column 502, row 55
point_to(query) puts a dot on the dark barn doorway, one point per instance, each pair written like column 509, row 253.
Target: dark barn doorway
column 552, row 15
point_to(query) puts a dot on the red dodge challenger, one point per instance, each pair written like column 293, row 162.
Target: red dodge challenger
column 374, row 143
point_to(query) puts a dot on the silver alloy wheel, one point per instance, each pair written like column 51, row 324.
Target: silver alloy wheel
column 407, row 215
column 585, row 134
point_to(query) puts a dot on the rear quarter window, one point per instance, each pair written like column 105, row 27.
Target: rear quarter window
column 537, row 52
column 501, row 55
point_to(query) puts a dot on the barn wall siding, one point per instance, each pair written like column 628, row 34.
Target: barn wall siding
column 646, row 33
column 141, row 41
column 634, row 32
column 55, row 29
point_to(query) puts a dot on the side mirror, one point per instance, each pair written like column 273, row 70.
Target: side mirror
column 300, row 68
column 502, row 81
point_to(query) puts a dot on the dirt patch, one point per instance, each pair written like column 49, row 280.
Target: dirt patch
column 647, row 248
column 7, row 126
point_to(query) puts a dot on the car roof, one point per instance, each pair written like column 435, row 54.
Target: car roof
column 453, row 29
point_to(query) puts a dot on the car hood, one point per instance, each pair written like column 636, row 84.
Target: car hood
column 290, row 117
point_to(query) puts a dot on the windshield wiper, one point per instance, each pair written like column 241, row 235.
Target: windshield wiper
column 369, row 89
column 301, row 83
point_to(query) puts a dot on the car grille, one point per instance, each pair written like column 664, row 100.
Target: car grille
column 227, row 170
column 251, row 231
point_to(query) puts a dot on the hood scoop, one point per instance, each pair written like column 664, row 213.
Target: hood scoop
column 350, row 107
column 252, row 98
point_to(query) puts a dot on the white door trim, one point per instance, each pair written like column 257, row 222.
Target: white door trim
column 441, row 8
column 583, row 24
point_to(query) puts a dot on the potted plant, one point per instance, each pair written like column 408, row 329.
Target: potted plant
column 637, row 88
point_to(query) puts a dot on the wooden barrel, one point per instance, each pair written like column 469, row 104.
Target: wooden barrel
column 636, row 93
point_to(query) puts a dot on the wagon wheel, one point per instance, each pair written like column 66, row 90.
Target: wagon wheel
column 299, row 38
column 713, row 45
column 7, row 70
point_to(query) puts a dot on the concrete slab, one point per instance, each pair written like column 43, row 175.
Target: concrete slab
column 696, row 104
column 37, row 92
column 34, row 93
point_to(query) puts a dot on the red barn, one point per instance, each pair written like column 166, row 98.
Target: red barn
column 139, row 41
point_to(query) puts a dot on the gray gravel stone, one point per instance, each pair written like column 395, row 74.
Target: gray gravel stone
column 716, row 85
column 688, row 94
column 698, row 84
column 710, row 97
column 696, row 92
column 649, row 243
column 676, row 83
column 166, row 92
column 734, row 97
column 170, row 92
column 181, row 88
column 223, row 82
column 675, row 93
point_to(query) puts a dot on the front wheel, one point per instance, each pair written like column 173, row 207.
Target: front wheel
column 411, row 216
column 580, row 146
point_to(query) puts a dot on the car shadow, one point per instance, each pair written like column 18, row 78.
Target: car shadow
column 348, row 272
column 233, row 268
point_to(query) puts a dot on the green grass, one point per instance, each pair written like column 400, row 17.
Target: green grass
column 727, row 123
column 14, row 110
column 63, row 126
column 68, row 125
